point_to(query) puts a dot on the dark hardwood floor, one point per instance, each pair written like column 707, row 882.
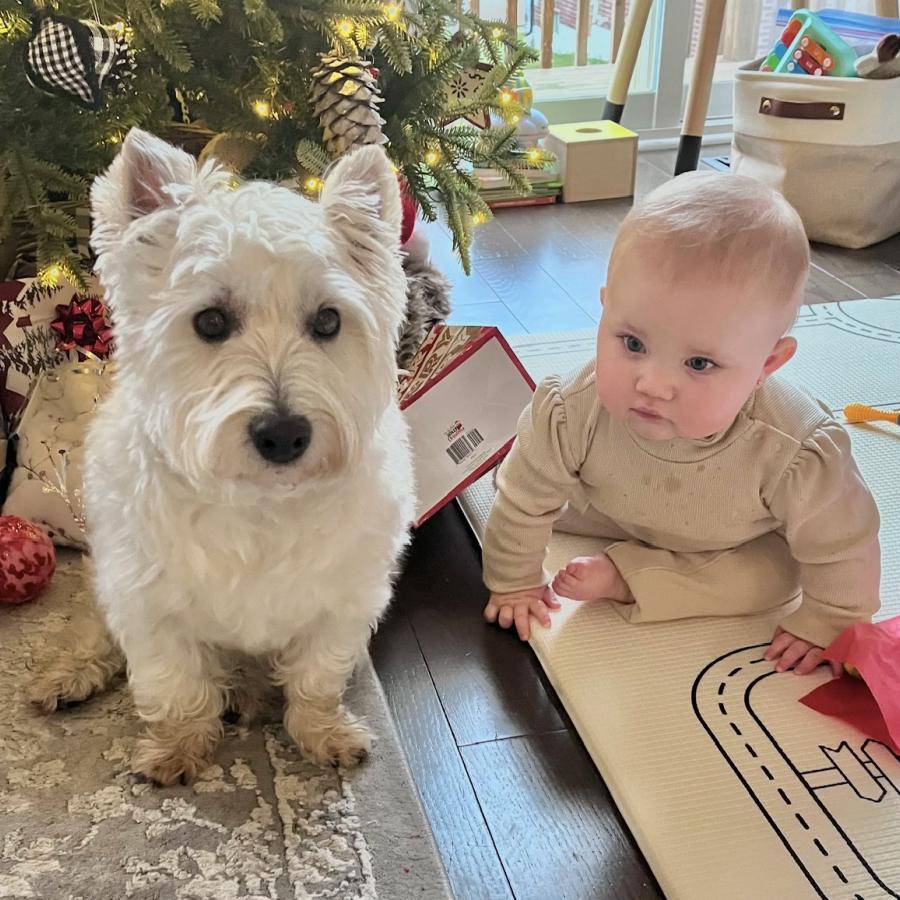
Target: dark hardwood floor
column 516, row 805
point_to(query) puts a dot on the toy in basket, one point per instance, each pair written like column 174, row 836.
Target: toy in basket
column 807, row 46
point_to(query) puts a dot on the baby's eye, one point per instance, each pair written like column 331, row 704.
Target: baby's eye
column 633, row 344
column 700, row 364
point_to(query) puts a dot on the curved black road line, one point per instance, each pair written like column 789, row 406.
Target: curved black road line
column 832, row 864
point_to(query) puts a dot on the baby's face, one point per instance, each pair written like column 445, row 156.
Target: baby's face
column 679, row 360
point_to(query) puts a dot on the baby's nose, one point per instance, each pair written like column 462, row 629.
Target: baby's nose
column 656, row 384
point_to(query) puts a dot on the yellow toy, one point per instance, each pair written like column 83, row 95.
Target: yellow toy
column 859, row 412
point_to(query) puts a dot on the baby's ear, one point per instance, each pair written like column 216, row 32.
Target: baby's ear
column 781, row 353
column 146, row 176
column 361, row 201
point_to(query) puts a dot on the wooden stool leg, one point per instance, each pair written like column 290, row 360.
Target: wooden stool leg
column 617, row 29
column 701, row 84
column 626, row 59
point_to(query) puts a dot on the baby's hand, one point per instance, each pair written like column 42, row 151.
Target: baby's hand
column 506, row 609
column 793, row 652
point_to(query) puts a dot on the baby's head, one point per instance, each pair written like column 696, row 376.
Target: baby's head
column 705, row 278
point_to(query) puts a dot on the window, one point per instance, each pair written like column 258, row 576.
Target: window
column 571, row 81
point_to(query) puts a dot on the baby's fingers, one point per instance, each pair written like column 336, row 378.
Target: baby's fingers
column 550, row 598
column 809, row 662
column 793, row 654
column 780, row 643
column 540, row 612
column 505, row 616
column 490, row 611
column 523, row 626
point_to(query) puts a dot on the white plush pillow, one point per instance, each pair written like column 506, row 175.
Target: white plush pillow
column 46, row 483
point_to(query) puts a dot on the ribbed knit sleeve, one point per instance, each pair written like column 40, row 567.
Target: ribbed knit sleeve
column 533, row 485
column 830, row 521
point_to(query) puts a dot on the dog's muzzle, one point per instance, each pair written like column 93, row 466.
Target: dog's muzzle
column 280, row 438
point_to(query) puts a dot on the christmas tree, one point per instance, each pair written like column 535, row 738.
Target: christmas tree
column 275, row 88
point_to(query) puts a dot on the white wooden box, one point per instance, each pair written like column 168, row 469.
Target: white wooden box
column 596, row 160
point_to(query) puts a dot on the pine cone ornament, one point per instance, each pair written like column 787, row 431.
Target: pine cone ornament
column 345, row 99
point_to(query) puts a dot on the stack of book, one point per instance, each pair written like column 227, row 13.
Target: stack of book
column 545, row 188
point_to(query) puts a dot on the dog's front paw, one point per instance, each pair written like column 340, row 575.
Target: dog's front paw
column 346, row 741
column 174, row 752
column 67, row 684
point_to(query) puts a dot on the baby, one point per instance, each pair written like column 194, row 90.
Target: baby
column 716, row 488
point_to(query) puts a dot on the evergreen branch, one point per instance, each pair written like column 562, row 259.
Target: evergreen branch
column 159, row 38
column 496, row 141
column 312, row 157
column 56, row 179
column 461, row 140
column 13, row 25
column 420, row 190
column 484, row 32
column 58, row 223
column 457, row 219
column 516, row 180
column 351, row 9
column 205, row 11
column 396, row 48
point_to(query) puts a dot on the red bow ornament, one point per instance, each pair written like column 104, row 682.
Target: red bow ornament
column 83, row 326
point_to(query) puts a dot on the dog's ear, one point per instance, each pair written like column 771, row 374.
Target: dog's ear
column 147, row 175
column 361, row 200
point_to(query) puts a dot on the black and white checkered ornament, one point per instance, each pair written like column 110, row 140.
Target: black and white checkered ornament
column 76, row 59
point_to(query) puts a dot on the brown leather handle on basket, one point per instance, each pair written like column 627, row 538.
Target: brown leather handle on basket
column 788, row 109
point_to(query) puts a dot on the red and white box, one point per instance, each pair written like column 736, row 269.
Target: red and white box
column 462, row 399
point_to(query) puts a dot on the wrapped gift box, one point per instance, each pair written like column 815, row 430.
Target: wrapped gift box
column 46, row 483
column 28, row 343
column 462, row 399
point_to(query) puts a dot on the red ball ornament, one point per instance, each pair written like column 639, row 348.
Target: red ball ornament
column 27, row 560
column 410, row 209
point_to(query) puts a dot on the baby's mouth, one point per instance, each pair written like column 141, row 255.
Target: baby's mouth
column 647, row 414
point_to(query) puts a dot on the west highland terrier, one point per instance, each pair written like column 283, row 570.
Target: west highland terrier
column 248, row 483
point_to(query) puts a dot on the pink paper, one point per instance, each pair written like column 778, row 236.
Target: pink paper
column 872, row 704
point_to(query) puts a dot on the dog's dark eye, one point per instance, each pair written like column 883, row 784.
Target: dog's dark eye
column 213, row 324
column 327, row 322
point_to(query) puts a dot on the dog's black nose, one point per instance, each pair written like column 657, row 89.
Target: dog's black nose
column 280, row 438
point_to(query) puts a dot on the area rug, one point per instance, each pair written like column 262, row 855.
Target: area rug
column 261, row 823
column 732, row 788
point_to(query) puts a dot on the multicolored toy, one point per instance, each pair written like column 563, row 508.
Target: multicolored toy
column 807, row 46
column 520, row 90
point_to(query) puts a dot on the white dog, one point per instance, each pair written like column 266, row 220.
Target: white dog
column 248, row 484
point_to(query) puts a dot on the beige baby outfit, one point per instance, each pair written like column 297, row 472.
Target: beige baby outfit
column 734, row 524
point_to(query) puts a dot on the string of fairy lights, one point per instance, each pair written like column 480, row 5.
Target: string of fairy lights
column 347, row 30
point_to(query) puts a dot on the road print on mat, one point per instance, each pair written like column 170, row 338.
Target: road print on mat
column 822, row 801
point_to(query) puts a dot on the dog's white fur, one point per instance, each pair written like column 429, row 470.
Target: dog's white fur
column 204, row 553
